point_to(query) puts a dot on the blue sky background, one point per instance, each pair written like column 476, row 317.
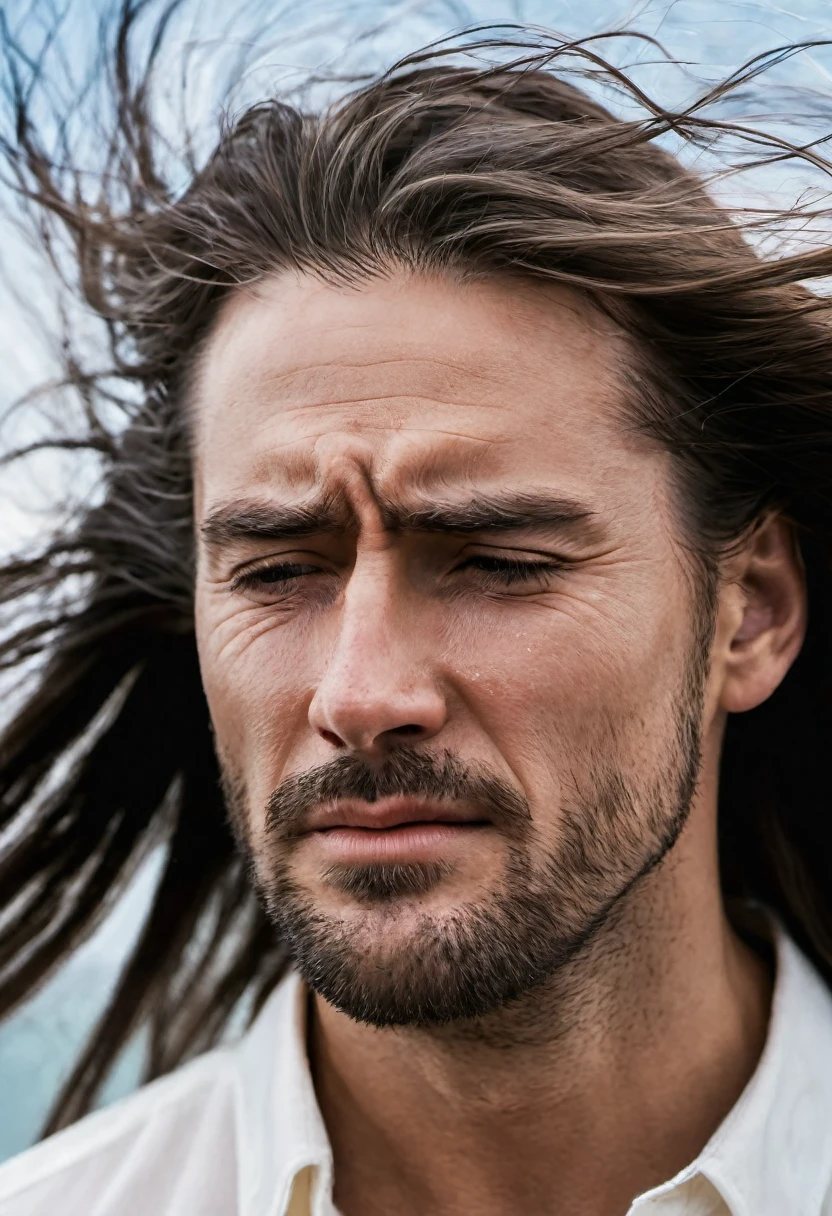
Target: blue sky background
column 283, row 44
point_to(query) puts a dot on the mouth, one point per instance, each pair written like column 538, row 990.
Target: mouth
column 390, row 813
column 398, row 829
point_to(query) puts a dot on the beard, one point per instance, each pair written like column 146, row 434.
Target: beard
column 550, row 904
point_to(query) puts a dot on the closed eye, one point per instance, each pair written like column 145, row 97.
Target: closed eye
column 276, row 581
column 512, row 571
column 272, row 580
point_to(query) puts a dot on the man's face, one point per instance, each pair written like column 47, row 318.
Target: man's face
column 447, row 636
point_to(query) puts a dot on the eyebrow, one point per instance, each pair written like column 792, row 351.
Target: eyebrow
column 245, row 519
column 504, row 512
column 510, row 511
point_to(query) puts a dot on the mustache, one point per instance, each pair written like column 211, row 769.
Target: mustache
column 405, row 772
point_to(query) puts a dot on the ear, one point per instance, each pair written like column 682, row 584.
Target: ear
column 762, row 616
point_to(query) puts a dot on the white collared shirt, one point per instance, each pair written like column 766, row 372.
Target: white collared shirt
column 238, row 1132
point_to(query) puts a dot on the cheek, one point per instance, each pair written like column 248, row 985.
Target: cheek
column 554, row 688
column 258, row 693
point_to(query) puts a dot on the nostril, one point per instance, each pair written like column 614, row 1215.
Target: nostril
column 332, row 738
column 410, row 728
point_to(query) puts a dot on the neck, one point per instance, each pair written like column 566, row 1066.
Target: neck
column 601, row 1084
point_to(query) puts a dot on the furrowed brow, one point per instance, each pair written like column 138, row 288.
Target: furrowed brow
column 248, row 520
column 489, row 513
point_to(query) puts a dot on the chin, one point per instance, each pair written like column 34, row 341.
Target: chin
column 389, row 883
column 394, row 956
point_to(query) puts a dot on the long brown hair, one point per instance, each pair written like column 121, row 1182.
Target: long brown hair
column 486, row 169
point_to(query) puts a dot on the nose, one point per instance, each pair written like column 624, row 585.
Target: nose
column 379, row 689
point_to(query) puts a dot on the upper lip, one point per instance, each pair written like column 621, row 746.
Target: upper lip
column 388, row 813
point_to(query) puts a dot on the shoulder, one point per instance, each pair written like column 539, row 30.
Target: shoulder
column 167, row 1149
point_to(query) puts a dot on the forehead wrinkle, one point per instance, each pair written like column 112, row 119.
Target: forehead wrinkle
column 460, row 366
column 299, row 462
column 300, row 408
column 414, row 379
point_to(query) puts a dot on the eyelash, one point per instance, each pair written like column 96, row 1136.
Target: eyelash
column 284, row 572
column 498, row 572
column 508, row 571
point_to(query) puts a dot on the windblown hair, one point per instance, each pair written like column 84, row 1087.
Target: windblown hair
column 508, row 168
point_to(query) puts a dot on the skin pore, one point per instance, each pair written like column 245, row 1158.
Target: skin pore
column 426, row 528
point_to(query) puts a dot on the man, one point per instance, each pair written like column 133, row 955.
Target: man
column 486, row 469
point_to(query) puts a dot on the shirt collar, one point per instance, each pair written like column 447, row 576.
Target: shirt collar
column 282, row 1133
column 771, row 1155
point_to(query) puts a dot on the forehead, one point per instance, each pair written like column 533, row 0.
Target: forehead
column 410, row 379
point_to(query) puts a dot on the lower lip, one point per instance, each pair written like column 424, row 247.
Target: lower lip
column 407, row 842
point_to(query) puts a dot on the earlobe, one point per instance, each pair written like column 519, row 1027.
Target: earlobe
column 766, row 628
